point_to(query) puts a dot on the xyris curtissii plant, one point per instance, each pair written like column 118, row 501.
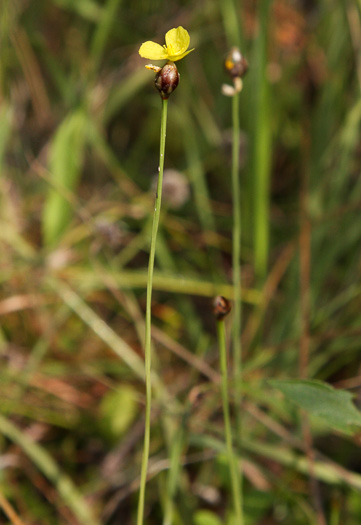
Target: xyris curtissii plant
column 166, row 80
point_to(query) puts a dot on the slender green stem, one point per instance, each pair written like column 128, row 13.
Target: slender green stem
column 148, row 317
column 236, row 261
column 232, row 461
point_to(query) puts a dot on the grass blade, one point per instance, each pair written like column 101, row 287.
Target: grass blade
column 46, row 464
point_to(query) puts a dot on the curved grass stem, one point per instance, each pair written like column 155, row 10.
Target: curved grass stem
column 232, row 460
column 148, row 317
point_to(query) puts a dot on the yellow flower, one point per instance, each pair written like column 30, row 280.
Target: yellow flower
column 177, row 42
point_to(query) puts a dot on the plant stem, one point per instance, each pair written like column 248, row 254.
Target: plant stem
column 232, row 461
column 236, row 261
column 148, row 317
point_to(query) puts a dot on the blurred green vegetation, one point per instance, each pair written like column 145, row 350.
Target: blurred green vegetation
column 79, row 142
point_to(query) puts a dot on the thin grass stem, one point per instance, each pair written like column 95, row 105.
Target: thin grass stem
column 236, row 261
column 148, row 316
column 232, row 460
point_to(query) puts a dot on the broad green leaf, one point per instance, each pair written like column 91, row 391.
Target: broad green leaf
column 118, row 410
column 65, row 164
column 206, row 517
column 321, row 400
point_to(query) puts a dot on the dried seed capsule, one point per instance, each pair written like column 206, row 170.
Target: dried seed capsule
column 166, row 80
column 235, row 64
column 221, row 307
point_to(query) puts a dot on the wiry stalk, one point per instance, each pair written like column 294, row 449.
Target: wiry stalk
column 236, row 261
column 148, row 317
column 232, row 460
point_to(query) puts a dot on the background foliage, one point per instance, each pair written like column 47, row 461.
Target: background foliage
column 79, row 137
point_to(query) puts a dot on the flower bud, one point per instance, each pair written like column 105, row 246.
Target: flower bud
column 235, row 64
column 166, row 80
column 221, row 307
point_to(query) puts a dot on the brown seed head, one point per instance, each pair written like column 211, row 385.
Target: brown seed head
column 235, row 64
column 221, row 307
column 166, row 80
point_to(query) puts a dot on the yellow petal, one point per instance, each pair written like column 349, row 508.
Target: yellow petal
column 177, row 41
column 174, row 58
column 152, row 51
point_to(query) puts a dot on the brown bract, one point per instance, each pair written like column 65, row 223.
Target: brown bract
column 221, row 307
column 235, row 64
column 166, row 80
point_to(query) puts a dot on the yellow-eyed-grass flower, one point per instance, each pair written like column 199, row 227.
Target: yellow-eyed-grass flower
column 177, row 43
column 176, row 47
